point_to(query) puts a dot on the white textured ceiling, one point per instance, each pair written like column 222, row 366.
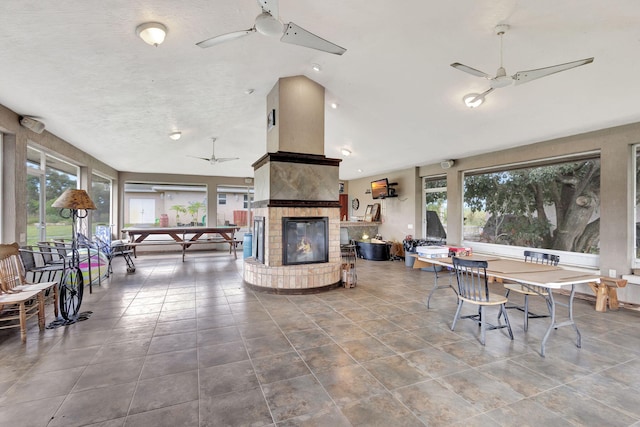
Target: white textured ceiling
column 80, row 68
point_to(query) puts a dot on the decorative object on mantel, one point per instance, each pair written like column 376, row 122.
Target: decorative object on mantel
column 375, row 212
column 355, row 204
column 367, row 213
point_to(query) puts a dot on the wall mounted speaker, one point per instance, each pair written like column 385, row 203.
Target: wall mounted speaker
column 32, row 124
column 446, row 164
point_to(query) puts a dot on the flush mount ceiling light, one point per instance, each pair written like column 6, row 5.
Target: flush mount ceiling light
column 175, row 135
column 152, row 33
column 473, row 100
column 316, row 67
column 345, row 152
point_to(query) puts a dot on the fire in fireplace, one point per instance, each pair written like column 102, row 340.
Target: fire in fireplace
column 305, row 240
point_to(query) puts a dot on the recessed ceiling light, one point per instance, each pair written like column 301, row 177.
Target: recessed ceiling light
column 249, row 91
column 152, row 33
column 316, row 67
column 175, row 135
column 334, row 105
column 359, row 170
column 345, row 152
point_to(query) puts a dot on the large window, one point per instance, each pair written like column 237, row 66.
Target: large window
column 234, row 205
column 637, row 205
column 1, row 186
column 47, row 178
column 165, row 205
column 555, row 206
column 101, row 196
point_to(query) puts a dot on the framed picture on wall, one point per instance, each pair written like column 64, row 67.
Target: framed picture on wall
column 375, row 212
column 367, row 213
column 271, row 119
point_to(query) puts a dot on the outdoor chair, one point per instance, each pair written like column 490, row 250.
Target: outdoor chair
column 537, row 258
column 19, row 299
column 51, row 255
column 473, row 288
column 113, row 248
column 29, row 258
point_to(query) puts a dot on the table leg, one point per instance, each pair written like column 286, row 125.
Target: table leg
column 436, row 286
column 613, row 298
column 555, row 325
column 41, row 318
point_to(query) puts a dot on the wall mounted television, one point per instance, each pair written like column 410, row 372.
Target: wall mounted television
column 380, row 188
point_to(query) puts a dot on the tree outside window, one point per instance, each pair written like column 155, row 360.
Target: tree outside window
column 549, row 207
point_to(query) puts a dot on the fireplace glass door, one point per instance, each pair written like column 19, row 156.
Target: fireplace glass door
column 305, row 240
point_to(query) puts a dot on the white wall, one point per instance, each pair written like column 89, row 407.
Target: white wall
column 397, row 213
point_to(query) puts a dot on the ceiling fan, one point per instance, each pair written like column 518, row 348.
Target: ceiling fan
column 213, row 159
column 269, row 24
column 501, row 78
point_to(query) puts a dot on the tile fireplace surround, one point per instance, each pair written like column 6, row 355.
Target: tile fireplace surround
column 301, row 278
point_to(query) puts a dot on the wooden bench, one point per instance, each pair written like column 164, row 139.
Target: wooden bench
column 233, row 244
column 607, row 292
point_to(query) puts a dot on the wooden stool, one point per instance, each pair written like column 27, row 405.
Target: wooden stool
column 607, row 291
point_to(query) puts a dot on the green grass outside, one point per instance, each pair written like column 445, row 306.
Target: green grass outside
column 54, row 232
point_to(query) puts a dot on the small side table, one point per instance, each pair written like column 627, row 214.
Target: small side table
column 607, row 292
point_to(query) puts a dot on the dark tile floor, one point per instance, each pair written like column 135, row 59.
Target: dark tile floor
column 185, row 344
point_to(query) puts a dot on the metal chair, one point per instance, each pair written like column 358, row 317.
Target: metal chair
column 37, row 269
column 113, row 249
column 473, row 288
column 51, row 254
column 537, row 258
column 19, row 299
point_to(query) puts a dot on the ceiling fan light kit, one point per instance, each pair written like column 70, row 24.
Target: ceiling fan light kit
column 473, row 100
column 153, row 33
column 268, row 23
column 502, row 79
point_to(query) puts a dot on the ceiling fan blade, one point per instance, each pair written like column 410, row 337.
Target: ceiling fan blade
column 470, row 70
column 295, row 34
column 270, row 6
column 201, row 158
column 225, row 38
column 226, row 159
column 526, row 76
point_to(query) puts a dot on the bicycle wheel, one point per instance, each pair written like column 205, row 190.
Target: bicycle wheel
column 71, row 290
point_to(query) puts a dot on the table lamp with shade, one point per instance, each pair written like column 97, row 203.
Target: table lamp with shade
column 73, row 204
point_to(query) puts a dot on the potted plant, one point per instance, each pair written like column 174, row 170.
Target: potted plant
column 194, row 210
column 179, row 209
